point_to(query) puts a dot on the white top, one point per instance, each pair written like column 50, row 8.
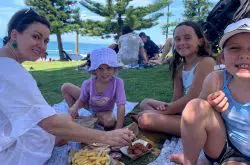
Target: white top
column 129, row 46
column 187, row 78
column 22, row 106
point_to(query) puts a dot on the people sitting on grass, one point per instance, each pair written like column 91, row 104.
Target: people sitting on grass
column 130, row 47
column 152, row 50
column 44, row 56
column 30, row 127
column 164, row 58
column 115, row 47
column 219, row 123
column 191, row 63
column 99, row 93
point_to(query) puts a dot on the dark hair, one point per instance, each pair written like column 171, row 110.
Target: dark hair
column 21, row 21
column 126, row 29
column 142, row 34
column 203, row 50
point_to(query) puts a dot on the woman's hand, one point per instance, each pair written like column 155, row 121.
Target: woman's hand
column 73, row 112
column 218, row 101
column 118, row 137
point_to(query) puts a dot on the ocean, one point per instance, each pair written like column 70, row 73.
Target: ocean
column 69, row 47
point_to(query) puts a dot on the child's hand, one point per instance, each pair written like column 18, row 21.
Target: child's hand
column 73, row 112
column 162, row 107
column 218, row 101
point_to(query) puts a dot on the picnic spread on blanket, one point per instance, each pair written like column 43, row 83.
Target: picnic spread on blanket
column 143, row 144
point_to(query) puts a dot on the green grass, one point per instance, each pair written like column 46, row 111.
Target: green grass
column 139, row 84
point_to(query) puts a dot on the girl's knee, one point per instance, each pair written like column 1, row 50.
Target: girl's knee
column 144, row 121
column 65, row 88
column 196, row 110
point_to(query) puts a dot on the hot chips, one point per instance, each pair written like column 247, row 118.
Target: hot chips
column 90, row 157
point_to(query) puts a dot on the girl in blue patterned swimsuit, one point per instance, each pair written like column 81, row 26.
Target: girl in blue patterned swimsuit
column 220, row 125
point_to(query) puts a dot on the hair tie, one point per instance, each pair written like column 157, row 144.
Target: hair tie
column 6, row 40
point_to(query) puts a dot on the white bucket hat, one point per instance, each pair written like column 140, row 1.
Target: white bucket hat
column 103, row 56
column 240, row 26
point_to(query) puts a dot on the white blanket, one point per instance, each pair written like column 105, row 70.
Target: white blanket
column 62, row 107
column 175, row 146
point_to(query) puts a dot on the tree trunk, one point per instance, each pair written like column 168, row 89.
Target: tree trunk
column 60, row 46
column 167, row 21
column 120, row 24
column 77, row 42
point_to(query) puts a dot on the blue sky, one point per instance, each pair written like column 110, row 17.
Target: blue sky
column 9, row 7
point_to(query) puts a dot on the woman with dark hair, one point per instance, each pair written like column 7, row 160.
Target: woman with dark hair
column 130, row 46
column 192, row 62
column 126, row 29
column 29, row 126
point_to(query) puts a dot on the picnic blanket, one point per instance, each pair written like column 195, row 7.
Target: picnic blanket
column 60, row 154
column 174, row 145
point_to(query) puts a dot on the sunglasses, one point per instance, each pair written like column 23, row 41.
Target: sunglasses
column 31, row 11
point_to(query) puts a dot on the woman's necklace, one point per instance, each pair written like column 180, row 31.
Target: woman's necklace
column 12, row 53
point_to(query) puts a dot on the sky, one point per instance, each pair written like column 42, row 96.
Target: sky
column 9, row 7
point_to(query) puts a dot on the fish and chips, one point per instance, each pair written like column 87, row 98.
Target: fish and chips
column 91, row 157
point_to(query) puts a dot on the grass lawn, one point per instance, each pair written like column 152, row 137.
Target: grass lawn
column 139, row 84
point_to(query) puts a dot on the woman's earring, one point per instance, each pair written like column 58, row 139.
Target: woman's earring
column 14, row 45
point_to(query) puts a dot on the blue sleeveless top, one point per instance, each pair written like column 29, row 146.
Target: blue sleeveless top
column 237, row 120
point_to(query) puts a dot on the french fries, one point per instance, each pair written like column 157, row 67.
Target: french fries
column 91, row 157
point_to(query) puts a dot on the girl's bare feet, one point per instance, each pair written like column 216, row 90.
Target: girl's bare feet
column 177, row 158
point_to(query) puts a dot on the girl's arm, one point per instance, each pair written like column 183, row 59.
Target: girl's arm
column 82, row 100
column 211, row 91
column 73, row 110
column 63, row 126
column 205, row 66
column 78, row 104
column 120, row 102
column 212, row 83
column 178, row 87
column 120, row 116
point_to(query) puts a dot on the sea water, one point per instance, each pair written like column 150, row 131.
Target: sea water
column 69, row 47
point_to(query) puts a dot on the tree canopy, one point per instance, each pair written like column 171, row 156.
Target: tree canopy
column 116, row 13
column 62, row 14
column 196, row 10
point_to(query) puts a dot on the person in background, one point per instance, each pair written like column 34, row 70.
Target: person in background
column 192, row 62
column 44, row 57
column 130, row 47
column 164, row 58
column 151, row 48
column 166, row 50
column 99, row 93
column 30, row 127
column 220, row 117
column 115, row 47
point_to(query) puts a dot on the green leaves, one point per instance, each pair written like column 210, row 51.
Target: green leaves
column 60, row 13
column 64, row 16
column 119, row 12
column 196, row 10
